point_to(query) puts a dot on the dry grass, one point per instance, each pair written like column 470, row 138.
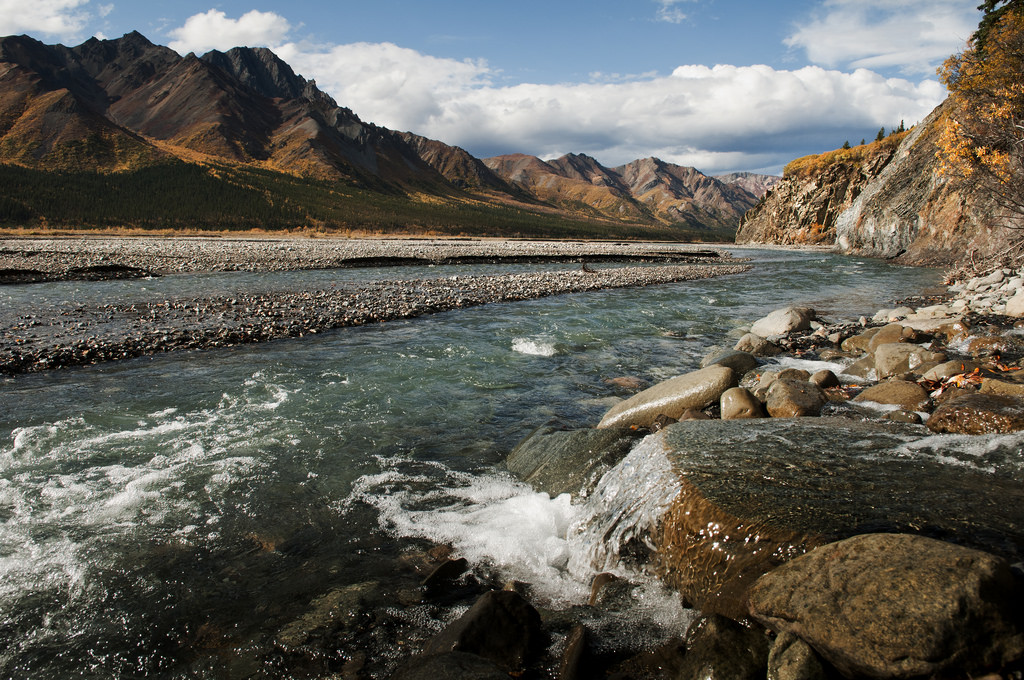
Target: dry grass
column 815, row 164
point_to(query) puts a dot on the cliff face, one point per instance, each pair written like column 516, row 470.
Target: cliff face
column 890, row 202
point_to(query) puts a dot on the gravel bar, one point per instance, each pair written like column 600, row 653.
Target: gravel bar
column 111, row 332
column 34, row 259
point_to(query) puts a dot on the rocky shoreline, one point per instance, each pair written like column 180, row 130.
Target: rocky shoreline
column 37, row 340
column 813, row 544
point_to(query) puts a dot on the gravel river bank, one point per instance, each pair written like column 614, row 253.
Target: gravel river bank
column 91, row 333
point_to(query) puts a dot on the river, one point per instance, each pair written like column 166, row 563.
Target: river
column 170, row 516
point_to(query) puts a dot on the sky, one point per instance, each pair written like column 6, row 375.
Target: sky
column 719, row 85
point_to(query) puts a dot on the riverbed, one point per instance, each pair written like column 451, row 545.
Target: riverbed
column 182, row 514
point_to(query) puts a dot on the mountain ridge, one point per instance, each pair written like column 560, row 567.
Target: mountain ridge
column 125, row 104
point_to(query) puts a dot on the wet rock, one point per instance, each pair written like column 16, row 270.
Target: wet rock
column 909, row 396
column 770, row 376
column 896, row 359
column 893, row 332
column 859, row 342
column 995, row 386
column 445, row 573
column 688, row 414
column 978, row 414
column 628, row 382
column 501, row 626
column 758, row 346
column 572, row 664
column 337, row 610
column 794, row 399
column 718, row 648
column 825, row 379
column 863, row 368
column 772, row 489
column 896, row 606
column 950, row 368
column 901, row 416
column 790, row 658
column 783, row 321
column 449, row 666
column 738, row 361
column 692, row 390
column 737, row 403
column 558, row 461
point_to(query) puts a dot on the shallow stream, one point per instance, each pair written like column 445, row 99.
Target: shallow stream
column 169, row 516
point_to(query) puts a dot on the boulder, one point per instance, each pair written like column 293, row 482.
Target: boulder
column 1015, row 305
column 756, row 345
column 718, row 648
column 558, row 461
column 755, row 493
column 863, row 368
column 893, row 332
column 501, row 627
column 909, row 396
column 770, row 376
column 741, row 362
column 978, row 414
column 950, row 368
column 825, row 379
column 783, row 321
column 788, row 398
column 897, row 606
column 693, row 390
column 737, row 403
column 859, row 343
column 1004, row 387
column 790, row 658
column 898, row 358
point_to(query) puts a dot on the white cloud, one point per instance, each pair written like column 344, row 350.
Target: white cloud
column 907, row 34
column 213, row 30
column 714, row 118
column 63, row 18
column 668, row 12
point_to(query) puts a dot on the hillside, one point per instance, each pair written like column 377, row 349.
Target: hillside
column 125, row 133
column 885, row 199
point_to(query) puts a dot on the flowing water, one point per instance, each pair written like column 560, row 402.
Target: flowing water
column 170, row 516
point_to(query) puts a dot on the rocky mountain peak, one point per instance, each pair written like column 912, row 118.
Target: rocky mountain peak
column 266, row 73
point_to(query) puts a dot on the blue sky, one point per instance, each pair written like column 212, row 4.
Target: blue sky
column 720, row 85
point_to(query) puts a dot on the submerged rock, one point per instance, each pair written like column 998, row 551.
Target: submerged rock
column 558, row 461
column 671, row 398
column 897, row 606
column 501, row 627
column 979, row 414
column 790, row 658
column 756, row 493
column 718, row 648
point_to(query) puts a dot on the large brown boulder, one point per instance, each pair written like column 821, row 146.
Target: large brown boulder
column 898, row 358
column 979, row 414
column 897, row 606
column 671, row 398
column 907, row 395
column 755, row 493
column 794, row 398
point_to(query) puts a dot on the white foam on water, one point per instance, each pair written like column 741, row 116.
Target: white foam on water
column 809, row 365
column 503, row 524
column 75, row 491
column 989, row 453
column 540, row 348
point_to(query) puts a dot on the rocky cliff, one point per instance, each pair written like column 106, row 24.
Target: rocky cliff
column 886, row 199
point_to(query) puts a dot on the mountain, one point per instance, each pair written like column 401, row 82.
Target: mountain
column 885, row 199
column 647, row 189
column 758, row 185
column 154, row 138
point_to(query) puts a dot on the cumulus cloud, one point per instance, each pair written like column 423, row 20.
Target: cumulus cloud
column 877, row 34
column 63, row 18
column 214, row 30
column 715, row 118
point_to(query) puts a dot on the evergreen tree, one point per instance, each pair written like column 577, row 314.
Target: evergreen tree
column 881, row 134
column 846, row 144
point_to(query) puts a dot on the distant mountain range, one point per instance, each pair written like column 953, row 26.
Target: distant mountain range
column 240, row 128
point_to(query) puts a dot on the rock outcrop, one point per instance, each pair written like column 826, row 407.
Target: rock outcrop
column 880, row 200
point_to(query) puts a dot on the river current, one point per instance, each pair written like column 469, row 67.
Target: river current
column 169, row 516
